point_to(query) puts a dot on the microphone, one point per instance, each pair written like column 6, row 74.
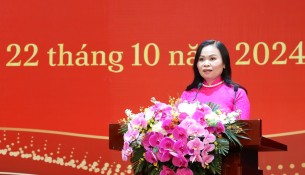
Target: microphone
column 198, row 88
column 235, row 91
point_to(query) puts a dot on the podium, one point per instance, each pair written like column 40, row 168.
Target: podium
column 239, row 161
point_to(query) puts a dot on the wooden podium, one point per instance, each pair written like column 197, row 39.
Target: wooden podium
column 239, row 161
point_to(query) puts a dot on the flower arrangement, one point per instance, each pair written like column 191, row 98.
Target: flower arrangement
column 181, row 137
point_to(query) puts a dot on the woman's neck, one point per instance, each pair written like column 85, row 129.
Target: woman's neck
column 212, row 82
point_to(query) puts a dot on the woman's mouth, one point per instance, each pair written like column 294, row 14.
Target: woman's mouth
column 207, row 70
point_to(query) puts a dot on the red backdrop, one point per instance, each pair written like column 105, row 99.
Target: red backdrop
column 69, row 68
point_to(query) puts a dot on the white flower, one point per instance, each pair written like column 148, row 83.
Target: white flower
column 139, row 139
column 153, row 99
column 128, row 112
column 157, row 127
column 211, row 118
column 223, row 118
column 232, row 116
column 148, row 114
column 187, row 108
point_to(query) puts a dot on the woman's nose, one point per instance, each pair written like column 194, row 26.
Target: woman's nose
column 206, row 63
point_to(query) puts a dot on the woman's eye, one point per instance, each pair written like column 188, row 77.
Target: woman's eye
column 200, row 59
column 213, row 58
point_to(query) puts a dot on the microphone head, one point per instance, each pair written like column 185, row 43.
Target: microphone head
column 235, row 88
column 200, row 85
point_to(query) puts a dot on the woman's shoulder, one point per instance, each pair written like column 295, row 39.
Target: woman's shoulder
column 187, row 94
column 236, row 87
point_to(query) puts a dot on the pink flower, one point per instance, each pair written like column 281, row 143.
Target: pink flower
column 126, row 151
column 211, row 129
column 159, row 106
column 209, row 138
column 165, row 147
column 199, row 117
column 164, row 155
column 167, row 171
column 179, row 161
column 155, row 139
column 196, row 156
column 196, row 130
column 206, row 108
column 139, row 121
column 199, row 114
column 168, row 125
column 163, row 111
column 179, row 133
column 145, row 141
column 166, row 143
column 182, row 116
column 187, row 123
column 220, row 128
column 209, row 147
column 184, row 171
column 150, row 157
column 162, row 115
column 206, row 158
column 131, row 135
column 195, row 144
column 181, row 148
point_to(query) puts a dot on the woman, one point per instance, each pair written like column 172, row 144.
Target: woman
column 212, row 80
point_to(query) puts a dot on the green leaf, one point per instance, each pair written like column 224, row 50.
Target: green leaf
column 213, row 106
column 236, row 132
column 137, row 162
column 123, row 128
column 232, row 137
column 215, row 165
column 197, row 168
column 242, row 137
column 222, row 146
column 138, row 166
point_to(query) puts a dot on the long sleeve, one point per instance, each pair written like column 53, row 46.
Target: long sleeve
column 243, row 103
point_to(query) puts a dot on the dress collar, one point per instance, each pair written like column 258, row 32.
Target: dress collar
column 216, row 82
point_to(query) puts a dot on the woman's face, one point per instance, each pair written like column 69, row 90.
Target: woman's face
column 210, row 64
